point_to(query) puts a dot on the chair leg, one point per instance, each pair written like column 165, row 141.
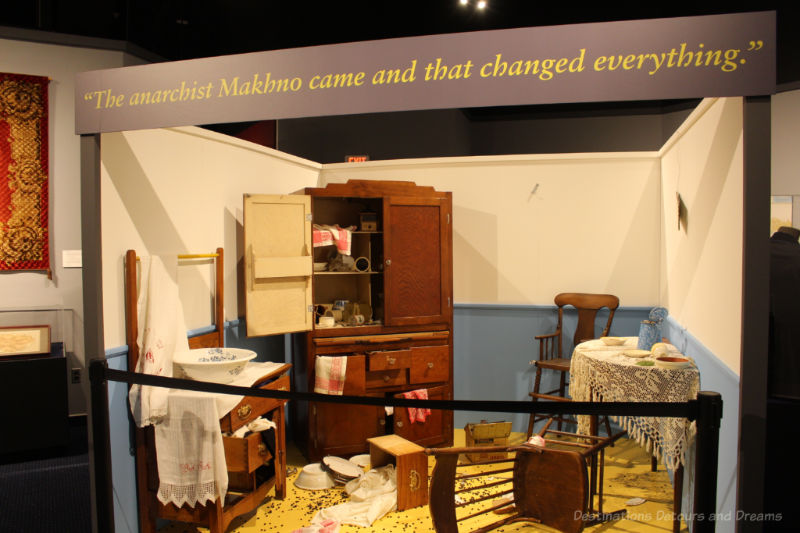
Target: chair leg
column 562, row 389
column 532, row 419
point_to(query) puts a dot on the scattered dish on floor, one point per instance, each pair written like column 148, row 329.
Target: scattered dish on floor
column 636, row 353
column 646, row 362
column 314, row 477
column 672, row 361
column 362, row 461
column 613, row 341
column 341, row 468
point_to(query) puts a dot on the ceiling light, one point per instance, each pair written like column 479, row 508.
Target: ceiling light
column 481, row 4
column 463, row 2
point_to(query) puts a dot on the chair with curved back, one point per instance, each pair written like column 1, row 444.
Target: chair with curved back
column 551, row 355
column 557, row 485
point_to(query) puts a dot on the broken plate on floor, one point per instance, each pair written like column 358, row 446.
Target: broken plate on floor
column 342, row 469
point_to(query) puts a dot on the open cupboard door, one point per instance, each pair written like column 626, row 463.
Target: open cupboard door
column 277, row 264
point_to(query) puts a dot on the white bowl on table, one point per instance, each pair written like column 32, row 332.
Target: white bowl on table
column 636, row 354
column 613, row 341
column 673, row 361
column 219, row 365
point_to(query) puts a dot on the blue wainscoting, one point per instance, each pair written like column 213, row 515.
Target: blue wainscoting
column 714, row 376
column 123, row 467
column 493, row 347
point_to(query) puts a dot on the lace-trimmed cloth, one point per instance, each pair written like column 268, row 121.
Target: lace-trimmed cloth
column 189, row 449
column 602, row 373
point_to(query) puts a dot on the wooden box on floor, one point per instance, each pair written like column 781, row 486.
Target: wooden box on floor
column 411, row 465
column 487, row 434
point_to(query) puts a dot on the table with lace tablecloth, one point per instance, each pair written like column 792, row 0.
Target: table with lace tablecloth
column 603, row 373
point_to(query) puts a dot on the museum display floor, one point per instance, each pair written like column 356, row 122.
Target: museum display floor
column 627, row 476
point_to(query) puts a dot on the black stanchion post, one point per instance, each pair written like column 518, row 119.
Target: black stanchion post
column 705, row 480
column 101, row 441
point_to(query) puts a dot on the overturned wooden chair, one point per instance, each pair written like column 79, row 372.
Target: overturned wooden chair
column 553, row 485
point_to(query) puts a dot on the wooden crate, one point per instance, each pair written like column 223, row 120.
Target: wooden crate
column 487, row 434
column 411, row 465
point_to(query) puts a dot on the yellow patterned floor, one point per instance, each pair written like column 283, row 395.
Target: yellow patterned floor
column 627, row 475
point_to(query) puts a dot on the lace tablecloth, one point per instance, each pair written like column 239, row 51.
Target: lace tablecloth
column 602, row 373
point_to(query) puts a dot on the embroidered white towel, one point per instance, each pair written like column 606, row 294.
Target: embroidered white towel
column 162, row 332
column 191, row 457
column 189, row 449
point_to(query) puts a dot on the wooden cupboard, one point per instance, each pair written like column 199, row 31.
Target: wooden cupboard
column 401, row 282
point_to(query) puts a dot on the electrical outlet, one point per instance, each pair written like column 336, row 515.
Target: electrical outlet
column 76, row 375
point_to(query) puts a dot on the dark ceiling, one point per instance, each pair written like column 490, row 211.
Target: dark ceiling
column 186, row 29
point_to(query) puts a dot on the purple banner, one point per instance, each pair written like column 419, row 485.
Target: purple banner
column 688, row 57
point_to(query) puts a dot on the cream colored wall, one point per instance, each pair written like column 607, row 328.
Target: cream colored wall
column 592, row 224
column 702, row 262
column 64, row 290
column 785, row 140
column 180, row 190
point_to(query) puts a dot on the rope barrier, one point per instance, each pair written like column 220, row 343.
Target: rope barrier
column 660, row 409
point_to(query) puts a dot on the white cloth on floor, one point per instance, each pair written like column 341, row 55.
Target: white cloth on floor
column 162, row 332
column 372, row 496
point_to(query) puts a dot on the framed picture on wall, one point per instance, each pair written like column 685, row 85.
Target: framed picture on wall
column 24, row 340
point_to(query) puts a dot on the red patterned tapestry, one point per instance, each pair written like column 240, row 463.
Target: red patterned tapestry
column 23, row 173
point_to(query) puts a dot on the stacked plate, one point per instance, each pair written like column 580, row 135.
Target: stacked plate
column 342, row 470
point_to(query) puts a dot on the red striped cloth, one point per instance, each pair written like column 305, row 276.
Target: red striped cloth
column 329, row 375
column 414, row 414
column 330, row 235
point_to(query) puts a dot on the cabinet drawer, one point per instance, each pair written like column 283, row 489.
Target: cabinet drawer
column 251, row 407
column 247, row 454
column 386, row 378
column 430, row 364
column 389, row 360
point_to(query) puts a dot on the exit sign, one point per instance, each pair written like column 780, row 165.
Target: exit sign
column 356, row 158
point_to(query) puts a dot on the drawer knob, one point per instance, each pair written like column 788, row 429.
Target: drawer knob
column 244, row 411
column 386, row 378
column 388, row 262
column 262, row 449
column 381, row 422
column 399, row 423
column 392, row 360
column 430, row 365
